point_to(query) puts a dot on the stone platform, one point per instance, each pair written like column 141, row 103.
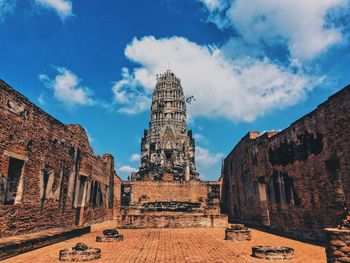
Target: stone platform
column 171, row 204
column 13, row 246
column 171, row 220
column 202, row 245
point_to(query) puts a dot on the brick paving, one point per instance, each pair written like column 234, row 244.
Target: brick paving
column 175, row 245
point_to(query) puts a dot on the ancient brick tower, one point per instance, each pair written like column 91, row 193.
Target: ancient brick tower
column 167, row 147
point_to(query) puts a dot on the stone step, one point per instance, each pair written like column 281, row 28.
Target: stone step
column 171, row 220
column 13, row 246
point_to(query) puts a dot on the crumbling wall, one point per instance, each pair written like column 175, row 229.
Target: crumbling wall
column 117, row 195
column 297, row 180
column 46, row 169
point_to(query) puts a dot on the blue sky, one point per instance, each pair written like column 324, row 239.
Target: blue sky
column 251, row 65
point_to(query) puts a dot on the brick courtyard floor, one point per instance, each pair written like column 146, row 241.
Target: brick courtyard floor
column 176, row 245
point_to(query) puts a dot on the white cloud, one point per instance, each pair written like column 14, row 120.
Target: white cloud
column 126, row 169
column 44, row 78
column 240, row 89
column 212, row 4
column 242, row 79
column 6, row 7
column 62, row 7
column 208, row 163
column 135, row 157
column 205, row 158
column 67, row 89
column 306, row 27
column 129, row 94
column 200, row 138
column 41, row 99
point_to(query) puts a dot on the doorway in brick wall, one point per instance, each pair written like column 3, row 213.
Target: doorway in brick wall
column 81, row 200
column 13, row 180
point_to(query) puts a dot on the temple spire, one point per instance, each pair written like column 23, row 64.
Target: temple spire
column 167, row 148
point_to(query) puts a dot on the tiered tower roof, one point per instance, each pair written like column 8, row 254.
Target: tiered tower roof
column 167, row 148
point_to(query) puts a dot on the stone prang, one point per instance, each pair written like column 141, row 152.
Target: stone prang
column 167, row 147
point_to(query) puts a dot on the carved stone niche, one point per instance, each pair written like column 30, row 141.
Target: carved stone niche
column 238, row 232
column 19, row 110
column 80, row 252
column 110, row 235
column 273, row 253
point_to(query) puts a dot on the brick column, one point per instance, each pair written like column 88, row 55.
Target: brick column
column 338, row 245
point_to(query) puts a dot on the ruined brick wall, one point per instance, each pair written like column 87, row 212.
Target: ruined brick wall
column 186, row 191
column 49, row 175
column 117, row 195
column 298, row 180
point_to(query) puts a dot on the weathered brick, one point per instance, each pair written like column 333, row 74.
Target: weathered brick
column 296, row 180
column 337, row 243
column 36, row 152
